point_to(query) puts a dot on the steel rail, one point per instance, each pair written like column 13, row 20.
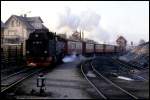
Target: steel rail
column 20, row 80
column 120, row 63
column 15, row 74
column 106, row 79
column 98, row 91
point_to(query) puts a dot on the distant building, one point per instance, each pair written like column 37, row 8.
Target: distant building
column 78, row 36
column 122, row 43
column 75, row 36
column 2, row 32
column 18, row 28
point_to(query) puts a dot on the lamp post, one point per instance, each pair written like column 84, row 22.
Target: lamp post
column 83, row 35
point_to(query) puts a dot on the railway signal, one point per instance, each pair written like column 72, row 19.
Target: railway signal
column 41, row 83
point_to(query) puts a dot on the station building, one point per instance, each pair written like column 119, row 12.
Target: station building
column 18, row 28
column 122, row 43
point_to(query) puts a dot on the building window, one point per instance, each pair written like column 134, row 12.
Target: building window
column 12, row 41
column 11, row 33
column 13, row 23
column 18, row 23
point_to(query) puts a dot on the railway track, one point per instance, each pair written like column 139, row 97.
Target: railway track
column 13, row 80
column 123, row 65
column 127, row 65
column 10, row 70
column 19, row 72
column 105, row 87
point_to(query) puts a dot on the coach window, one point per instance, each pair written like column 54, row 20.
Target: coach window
column 78, row 46
column 72, row 46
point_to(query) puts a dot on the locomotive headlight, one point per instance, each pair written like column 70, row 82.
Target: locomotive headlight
column 37, row 42
column 45, row 51
column 36, row 35
column 28, row 52
column 33, row 42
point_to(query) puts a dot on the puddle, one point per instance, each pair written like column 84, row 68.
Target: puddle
column 125, row 78
column 91, row 74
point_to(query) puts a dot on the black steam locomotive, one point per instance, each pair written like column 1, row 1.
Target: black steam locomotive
column 44, row 48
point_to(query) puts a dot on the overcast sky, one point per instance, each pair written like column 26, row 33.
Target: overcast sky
column 104, row 20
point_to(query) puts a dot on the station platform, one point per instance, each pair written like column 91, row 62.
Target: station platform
column 63, row 82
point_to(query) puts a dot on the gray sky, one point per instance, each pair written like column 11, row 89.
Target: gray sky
column 106, row 20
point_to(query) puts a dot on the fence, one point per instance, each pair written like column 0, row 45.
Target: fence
column 11, row 54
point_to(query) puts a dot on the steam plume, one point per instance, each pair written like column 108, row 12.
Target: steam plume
column 88, row 21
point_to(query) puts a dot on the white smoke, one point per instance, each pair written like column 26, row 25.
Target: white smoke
column 70, row 58
column 88, row 21
column 67, row 19
column 103, row 35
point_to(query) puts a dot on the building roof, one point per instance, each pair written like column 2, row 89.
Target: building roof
column 2, row 25
column 144, row 43
column 34, row 19
column 30, row 22
column 121, row 37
